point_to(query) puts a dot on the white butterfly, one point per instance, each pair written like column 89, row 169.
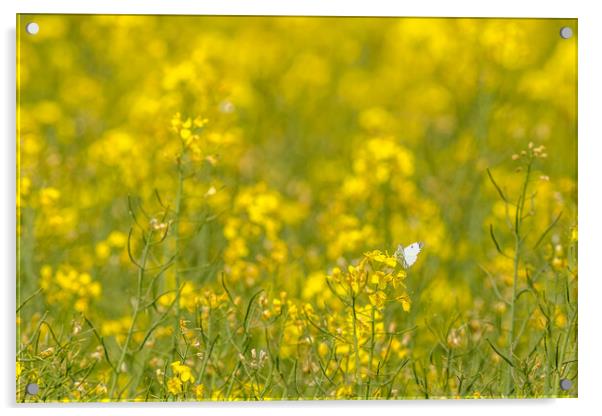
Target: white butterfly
column 408, row 255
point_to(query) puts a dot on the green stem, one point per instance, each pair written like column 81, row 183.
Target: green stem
column 358, row 376
column 137, row 304
column 513, row 313
column 517, row 249
column 562, row 354
column 372, row 343
column 176, row 230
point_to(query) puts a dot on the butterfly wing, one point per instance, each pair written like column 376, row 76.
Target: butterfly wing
column 399, row 255
column 410, row 253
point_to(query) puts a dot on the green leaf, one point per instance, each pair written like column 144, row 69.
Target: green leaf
column 498, row 352
column 499, row 190
column 497, row 245
column 547, row 230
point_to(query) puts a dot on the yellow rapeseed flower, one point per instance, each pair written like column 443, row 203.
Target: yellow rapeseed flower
column 199, row 391
column 182, row 371
column 102, row 250
column 49, row 196
column 174, row 385
column 117, row 239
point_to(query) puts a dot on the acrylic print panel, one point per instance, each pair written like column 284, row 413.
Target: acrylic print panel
column 253, row 208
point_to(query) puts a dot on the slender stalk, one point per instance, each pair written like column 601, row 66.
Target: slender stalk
column 562, row 353
column 449, row 359
column 138, row 302
column 510, row 381
column 372, row 343
column 358, row 375
column 517, row 251
column 176, row 230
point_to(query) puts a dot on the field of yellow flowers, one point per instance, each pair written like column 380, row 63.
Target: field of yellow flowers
column 209, row 207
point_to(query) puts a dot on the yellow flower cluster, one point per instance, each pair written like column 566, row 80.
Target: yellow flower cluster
column 381, row 160
column 66, row 286
column 57, row 218
column 118, row 328
column 181, row 379
column 377, row 275
column 192, row 298
column 253, row 233
column 189, row 131
column 115, row 241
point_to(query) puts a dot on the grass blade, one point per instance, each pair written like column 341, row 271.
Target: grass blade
column 547, row 230
column 497, row 245
column 498, row 352
column 499, row 190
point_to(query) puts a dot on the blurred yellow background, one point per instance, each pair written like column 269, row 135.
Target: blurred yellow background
column 184, row 177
